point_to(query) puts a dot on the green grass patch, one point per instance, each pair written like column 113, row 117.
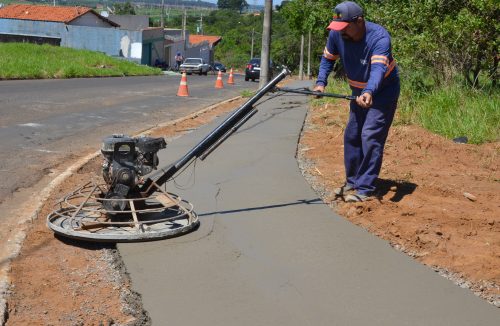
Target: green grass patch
column 31, row 61
column 247, row 93
column 452, row 110
column 455, row 111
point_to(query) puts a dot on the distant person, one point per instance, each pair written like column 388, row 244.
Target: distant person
column 178, row 60
column 365, row 51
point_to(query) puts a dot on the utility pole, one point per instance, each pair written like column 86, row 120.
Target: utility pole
column 266, row 44
column 162, row 18
column 309, row 57
column 201, row 23
column 184, row 30
column 301, row 64
column 251, row 52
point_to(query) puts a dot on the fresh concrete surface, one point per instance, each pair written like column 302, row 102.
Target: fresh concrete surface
column 269, row 252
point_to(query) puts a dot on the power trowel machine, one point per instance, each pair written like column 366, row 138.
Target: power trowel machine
column 130, row 205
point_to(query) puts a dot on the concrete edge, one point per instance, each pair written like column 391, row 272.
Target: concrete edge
column 47, row 191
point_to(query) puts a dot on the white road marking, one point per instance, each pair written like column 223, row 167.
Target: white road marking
column 31, row 124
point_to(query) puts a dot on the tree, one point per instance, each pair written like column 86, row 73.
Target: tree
column 239, row 5
column 438, row 39
column 124, row 8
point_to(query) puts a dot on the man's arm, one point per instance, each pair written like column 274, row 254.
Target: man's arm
column 330, row 54
column 379, row 65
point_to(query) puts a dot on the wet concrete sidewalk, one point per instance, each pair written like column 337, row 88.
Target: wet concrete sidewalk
column 269, row 252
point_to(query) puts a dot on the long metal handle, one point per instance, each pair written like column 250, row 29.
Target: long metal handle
column 308, row 92
column 211, row 139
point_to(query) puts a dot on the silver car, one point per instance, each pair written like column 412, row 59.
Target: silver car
column 195, row 65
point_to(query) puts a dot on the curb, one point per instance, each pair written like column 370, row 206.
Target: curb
column 47, row 191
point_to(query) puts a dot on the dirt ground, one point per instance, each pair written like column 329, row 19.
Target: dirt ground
column 422, row 211
column 439, row 201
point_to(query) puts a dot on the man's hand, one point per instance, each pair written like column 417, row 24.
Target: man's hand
column 364, row 100
column 319, row 88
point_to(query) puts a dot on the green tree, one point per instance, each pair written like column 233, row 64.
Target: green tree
column 444, row 37
column 239, row 5
column 450, row 37
column 302, row 17
column 124, row 8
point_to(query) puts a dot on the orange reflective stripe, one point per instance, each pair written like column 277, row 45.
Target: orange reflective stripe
column 330, row 56
column 380, row 59
column 390, row 68
column 357, row 84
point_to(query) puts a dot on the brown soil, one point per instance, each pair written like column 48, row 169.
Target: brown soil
column 438, row 201
column 422, row 210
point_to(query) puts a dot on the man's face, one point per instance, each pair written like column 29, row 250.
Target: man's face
column 353, row 31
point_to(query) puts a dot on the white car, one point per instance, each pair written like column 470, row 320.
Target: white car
column 195, row 65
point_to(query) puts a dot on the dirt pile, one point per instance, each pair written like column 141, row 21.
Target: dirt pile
column 438, row 201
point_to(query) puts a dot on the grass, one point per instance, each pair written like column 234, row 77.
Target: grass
column 452, row 110
column 31, row 61
column 247, row 93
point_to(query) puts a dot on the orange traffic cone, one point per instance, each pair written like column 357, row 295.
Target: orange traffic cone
column 218, row 82
column 183, row 87
column 231, row 78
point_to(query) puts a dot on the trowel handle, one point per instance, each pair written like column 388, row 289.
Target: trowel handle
column 319, row 94
column 214, row 138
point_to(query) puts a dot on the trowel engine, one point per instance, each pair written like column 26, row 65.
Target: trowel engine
column 126, row 161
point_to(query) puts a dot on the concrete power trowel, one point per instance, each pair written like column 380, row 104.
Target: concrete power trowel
column 127, row 206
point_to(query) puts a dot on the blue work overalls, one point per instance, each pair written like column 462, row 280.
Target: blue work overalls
column 370, row 68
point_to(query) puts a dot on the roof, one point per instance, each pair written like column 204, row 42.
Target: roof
column 213, row 40
column 58, row 14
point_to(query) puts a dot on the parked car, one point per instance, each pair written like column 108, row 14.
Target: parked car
column 219, row 67
column 195, row 65
column 252, row 70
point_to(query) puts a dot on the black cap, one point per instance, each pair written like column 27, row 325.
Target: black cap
column 345, row 13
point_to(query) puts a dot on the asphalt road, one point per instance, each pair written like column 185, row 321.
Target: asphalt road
column 270, row 252
column 46, row 122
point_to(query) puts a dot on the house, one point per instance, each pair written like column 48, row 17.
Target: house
column 204, row 45
column 80, row 28
column 195, row 46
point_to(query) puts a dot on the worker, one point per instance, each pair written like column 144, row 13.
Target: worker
column 178, row 60
column 364, row 49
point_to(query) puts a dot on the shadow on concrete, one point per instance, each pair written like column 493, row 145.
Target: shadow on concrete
column 315, row 201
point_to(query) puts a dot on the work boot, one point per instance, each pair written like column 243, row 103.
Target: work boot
column 357, row 198
column 340, row 191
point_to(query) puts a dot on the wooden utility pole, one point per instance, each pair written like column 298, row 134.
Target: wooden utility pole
column 184, row 31
column 162, row 18
column 266, row 44
column 309, row 57
column 301, row 64
column 201, row 23
column 251, row 52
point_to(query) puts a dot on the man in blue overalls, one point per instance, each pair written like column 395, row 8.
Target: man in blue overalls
column 365, row 51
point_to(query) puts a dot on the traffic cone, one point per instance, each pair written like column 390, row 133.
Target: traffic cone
column 218, row 82
column 183, row 87
column 230, row 81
